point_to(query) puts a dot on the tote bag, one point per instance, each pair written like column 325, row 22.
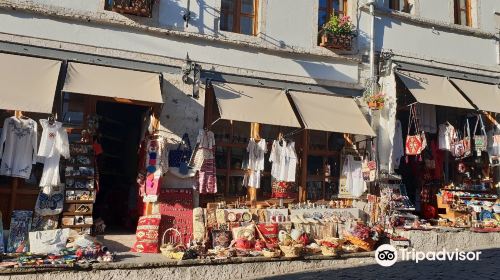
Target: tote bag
column 48, row 241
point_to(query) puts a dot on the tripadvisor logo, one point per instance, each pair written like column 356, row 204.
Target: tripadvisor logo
column 386, row 255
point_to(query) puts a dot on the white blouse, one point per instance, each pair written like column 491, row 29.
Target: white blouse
column 19, row 154
column 256, row 151
column 53, row 145
column 284, row 159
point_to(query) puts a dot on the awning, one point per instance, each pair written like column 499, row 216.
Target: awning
column 434, row 90
column 28, row 83
column 486, row 97
column 254, row 104
column 113, row 82
column 331, row 113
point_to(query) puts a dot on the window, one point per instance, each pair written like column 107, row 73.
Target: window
column 400, row 5
column 463, row 12
column 329, row 7
column 239, row 16
column 141, row 8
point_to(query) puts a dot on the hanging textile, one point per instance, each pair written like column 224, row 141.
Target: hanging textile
column 256, row 151
column 352, row 171
column 155, row 165
column 20, row 138
column 53, row 144
column 204, row 159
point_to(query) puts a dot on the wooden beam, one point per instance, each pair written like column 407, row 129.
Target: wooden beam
column 303, row 166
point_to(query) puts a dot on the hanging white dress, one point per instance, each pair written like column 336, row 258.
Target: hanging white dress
column 291, row 162
column 53, row 145
column 19, row 154
column 353, row 172
column 278, row 158
column 256, row 151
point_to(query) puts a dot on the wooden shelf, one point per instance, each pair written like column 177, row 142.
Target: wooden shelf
column 78, row 226
column 77, row 189
column 77, row 214
column 78, row 201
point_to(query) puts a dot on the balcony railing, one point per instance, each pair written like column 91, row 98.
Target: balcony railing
column 141, row 8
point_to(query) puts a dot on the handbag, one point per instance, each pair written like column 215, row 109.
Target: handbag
column 182, row 154
column 414, row 144
column 48, row 241
column 461, row 147
column 480, row 141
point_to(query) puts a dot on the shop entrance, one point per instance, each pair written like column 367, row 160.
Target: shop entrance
column 120, row 127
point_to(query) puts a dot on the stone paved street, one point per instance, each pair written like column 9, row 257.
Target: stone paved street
column 488, row 267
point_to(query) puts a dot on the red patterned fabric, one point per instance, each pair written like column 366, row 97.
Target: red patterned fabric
column 147, row 234
column 207, row 182
column 281, row 189
column 270, row 231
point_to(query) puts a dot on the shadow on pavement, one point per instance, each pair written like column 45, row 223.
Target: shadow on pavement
column 488, row 267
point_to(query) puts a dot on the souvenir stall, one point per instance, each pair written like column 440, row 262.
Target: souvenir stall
column 445, row 153
column 275, row 177
column 60, row 144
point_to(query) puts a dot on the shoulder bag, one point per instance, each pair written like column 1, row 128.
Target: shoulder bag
column 480, row 141
column 416, row 143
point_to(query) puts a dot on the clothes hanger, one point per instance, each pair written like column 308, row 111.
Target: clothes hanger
column 51, row 119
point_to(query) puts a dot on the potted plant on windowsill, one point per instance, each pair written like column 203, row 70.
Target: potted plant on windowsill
column 337, row 33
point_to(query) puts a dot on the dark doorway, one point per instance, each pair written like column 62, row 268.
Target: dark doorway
column 120, row 127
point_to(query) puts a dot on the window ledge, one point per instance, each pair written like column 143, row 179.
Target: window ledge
column 148, row 26
column 454, row 28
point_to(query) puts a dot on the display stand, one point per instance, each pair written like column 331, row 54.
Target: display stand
column 80, row 188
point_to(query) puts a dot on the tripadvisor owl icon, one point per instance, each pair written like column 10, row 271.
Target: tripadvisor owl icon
column 386, row 255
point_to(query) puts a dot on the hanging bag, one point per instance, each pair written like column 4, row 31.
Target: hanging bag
column 461, row 147
column 182, row 154
column 480, row 141
column 467, row 140
column 416, row 143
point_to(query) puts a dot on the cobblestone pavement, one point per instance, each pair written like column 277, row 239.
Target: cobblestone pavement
column 488, row 267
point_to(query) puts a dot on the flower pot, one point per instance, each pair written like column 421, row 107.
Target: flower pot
column 336, row 41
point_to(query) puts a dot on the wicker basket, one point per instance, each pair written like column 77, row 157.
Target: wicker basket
column 366, row 245
column 168, row 248
column 329, row 251
column 291, row 251
column 271, row 254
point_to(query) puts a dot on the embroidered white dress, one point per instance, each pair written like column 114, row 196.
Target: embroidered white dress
column 256, row 151
column 53, row 145
column 291, row 162
column 19, row 154
column 353, row 172
column 278, row 158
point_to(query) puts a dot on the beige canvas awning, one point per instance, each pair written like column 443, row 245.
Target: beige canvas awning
column 486, row 97
column 331, row 113
column 28, row 83
column 434, row 90
column 254, row 104
column 113, row 82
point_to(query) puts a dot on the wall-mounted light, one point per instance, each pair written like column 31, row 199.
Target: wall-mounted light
column 187, row 15
column 191, row 75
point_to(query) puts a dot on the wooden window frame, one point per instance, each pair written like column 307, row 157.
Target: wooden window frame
column 329, row 9
column 458, row 10
column 237, row 15
column 304, row 150
column 396, row 5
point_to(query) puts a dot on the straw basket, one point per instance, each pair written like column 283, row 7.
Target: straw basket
column 366, row 245
column 291, row 251
column 329, row 251
column 168, row 248
column 271, row 254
